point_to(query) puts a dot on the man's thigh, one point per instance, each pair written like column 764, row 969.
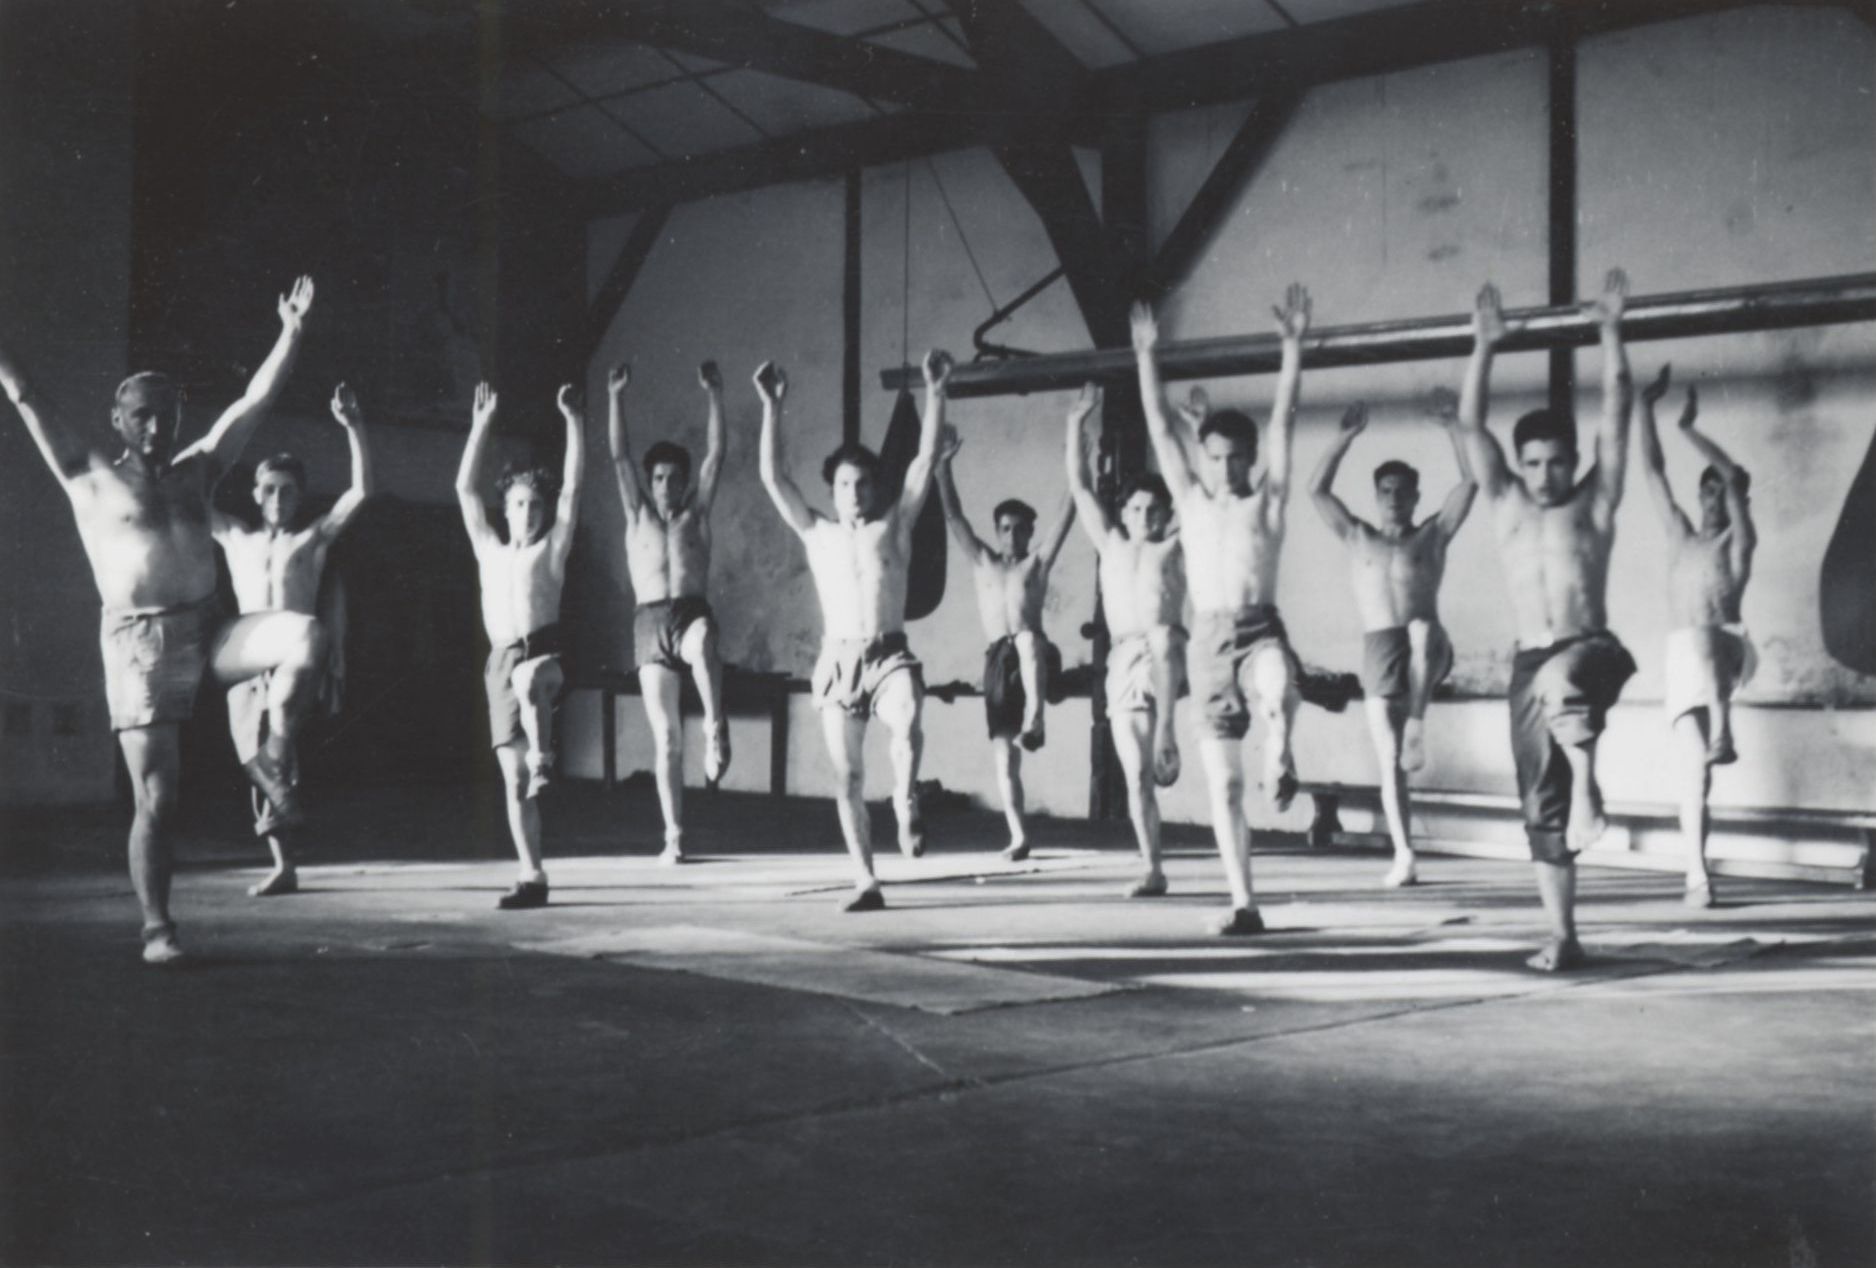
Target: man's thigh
column 1268, row 673
column 897, row 703
column 661, row 690
column 694, row 644
column 255, row 643
column 152, row 752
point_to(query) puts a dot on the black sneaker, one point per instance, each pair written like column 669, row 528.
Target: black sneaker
column 525, row 894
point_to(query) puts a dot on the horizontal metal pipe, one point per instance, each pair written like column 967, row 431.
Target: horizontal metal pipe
column 1820, row 301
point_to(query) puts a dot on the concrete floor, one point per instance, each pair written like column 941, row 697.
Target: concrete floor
column 670, row 1067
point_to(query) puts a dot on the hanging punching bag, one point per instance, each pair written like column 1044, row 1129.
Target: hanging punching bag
column 1846, row 589
column 925, row 580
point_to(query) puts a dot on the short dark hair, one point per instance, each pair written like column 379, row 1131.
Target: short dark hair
column 152, row 381
column 1742, row 477
column 1395, row 467
column 851, row 454
column 541, row 479
column 285, row 464
column 666, row 452
column 1544, row 424
column 1232, row 424
column 1146, row 482
column 1017, row 507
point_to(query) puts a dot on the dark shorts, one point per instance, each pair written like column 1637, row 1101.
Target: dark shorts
column 1222, row 644
column 1560, row 696
column 504, row 705
column 154, row 659
column 851, row 671
column 658, row 630
column 1005, row 702
column 1386, row 655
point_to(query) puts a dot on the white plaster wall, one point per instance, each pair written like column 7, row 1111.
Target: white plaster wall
column 1714, row 151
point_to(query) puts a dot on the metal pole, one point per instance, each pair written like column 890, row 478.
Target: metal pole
column 1821, row 301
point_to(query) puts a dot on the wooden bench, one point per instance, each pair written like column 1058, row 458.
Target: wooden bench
column 1326, row 827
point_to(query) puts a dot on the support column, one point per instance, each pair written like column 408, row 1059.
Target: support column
column 1562, row 55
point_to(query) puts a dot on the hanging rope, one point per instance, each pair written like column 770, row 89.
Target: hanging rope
column 955, row 224
column 905, row 273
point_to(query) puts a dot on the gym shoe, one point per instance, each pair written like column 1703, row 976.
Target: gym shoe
column 525, row 894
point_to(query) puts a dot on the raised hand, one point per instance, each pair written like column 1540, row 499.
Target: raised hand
column 1489, row 326
column 1145, row 328
column 1658, row 386
column 618, row 377
column 770, row 382
column 294, row 303
column 938, row 367
column 1355, row 419
column 1444, row 404
column 949, row 442
column 1087, row 402
column 1293, row 316
column 566, row 399
column 1691, row 410
column 345, row 407
column 1606, row 309
column 1197, row 407
column 709, row 377
column 484, row 406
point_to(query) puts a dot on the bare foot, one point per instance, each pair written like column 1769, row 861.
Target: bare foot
column 1152, row 885
column 540, row 772
column 1586, row 828
column 673, row 852
column 1721, row 752
column 1032, row 736
column 161, row 948
column 1699, row 893
column 280, row 881
column 1285, row 786
column 717, row 759
column 1402, row 874
column 867, row 898
column 1166, row 761
column 1413, row 745
column 1557, row 956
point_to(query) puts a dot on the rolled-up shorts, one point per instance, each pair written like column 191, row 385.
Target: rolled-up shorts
column 658, row 630
column 154, row 659
column 1130, row 669
column 1386, row 656
column 498, row 677
column 851, row 671
column 1005, row 701
column 1222, row 644
column 1704, row 663
column 1560, row 696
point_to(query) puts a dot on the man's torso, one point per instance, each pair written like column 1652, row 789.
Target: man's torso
column 859, row 575
column 1010, row 594
column 1702, row 585
column 1397, row 579
column 147, row 537
column 668, row 559
column 1143, row 584
column 520, row 588
column 1231, row 549
column 1556, row 561
column 275, row 572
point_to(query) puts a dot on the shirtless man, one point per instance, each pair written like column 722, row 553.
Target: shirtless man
column 859, row 560
column 1708, row 656
column 1020, row 662
column 1143, row 598
column 1232, row 532
column 1397, row 568
column 277, row 568
column 1554, row 533
column 522, row 575
column 144, row 520
column 667, row 549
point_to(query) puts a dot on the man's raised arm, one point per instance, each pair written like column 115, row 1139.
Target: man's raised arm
column 711, row 379
column 1175, row 467
column 1654, row 461
column 1095, row 521
column 63, row 449
column 918, row 472
column 1738, row 505
column 1292, row 325
column 1458, row 503
column 1489, row 329
column 949, row 442
column 1334, row 512
column 345, row 410
column 772, row 385
column 624, row 468
column 572, row 469
column 475, row 515
column 230, row 434
column 1058, row 531
column 1618, row 387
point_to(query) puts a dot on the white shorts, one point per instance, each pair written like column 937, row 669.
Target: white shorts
column 1705, row 663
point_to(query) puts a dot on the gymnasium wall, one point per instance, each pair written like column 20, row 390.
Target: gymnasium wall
column 64, row 285
column 1713, row 151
